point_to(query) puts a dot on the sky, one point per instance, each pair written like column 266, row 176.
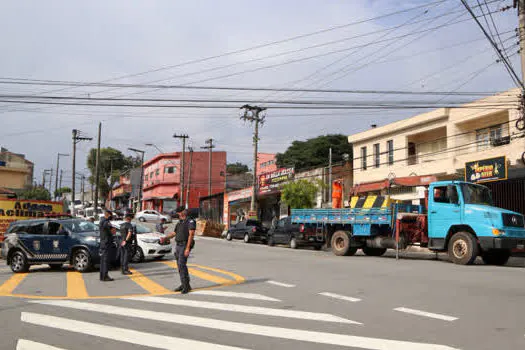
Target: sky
column 95, row 41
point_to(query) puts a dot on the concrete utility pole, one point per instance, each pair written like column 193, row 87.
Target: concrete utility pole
column 61, row 172
column 141, row 174
column 252, row 114
column 77, row 137
column 82, row 188
column 520, row 4
column 209, row 146
column 330, row 175
column 97, row 171
column 58, row 166
column 189, row 177
column 50, row 182
column 44, row 173
column 182, row 166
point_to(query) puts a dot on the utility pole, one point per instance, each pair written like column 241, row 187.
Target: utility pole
column 252, row 114
column 50, row 182
column 141, row 174
column 330, row 175
column 182, row 182
column 521, row 33
column 58, row 167
column 189, row 177
column 61, row 172
column 82, row 188
column 97, row 171
column 44, row 173
column 77, row 137
column 209, row 146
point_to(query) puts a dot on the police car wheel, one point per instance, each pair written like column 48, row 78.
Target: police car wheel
column 19, row 263
column 246, row 238
column 138, row 256
column 81, row 260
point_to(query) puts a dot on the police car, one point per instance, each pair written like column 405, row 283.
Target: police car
column 53, row 242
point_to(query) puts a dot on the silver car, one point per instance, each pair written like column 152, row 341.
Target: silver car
column 151, row 216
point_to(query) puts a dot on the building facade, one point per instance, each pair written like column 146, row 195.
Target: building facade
column 16, row 172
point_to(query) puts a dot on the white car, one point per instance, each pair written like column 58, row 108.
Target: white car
column 148, row 243
column 151, row 216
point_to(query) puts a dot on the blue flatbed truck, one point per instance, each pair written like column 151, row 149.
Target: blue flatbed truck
column 457, row 217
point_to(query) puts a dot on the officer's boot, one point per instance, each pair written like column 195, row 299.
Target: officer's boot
column 179, row 288
column 185, row 286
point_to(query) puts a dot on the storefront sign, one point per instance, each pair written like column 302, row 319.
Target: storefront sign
column 272, row 182
column 486, row 170
column 13, row 210
column 240, row 194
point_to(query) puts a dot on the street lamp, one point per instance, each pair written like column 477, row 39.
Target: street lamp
column 58, row 162
column 141, row 174
column 154, row 145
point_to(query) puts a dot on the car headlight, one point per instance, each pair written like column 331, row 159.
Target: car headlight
column 149, row 240
column 93, row 239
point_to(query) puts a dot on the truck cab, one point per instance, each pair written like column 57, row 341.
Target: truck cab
column 463, row 221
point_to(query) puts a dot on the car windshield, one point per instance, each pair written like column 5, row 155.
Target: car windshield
column 476, row 194
column 142, row 229
column 79, row 226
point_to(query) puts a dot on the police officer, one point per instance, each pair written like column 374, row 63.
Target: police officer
column 184, row 232
column 106, row 239
column 126, row 233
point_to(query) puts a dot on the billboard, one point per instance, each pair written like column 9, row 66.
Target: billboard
column 272, row 182
column 15, row 209
column 486, row 170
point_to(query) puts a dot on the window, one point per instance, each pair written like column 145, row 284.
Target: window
column 157, row 172
column 281, row 223
column 377, row 156
column 491, row 136
column 446, row 194
column 169, row 170
column 151, row 175
column 36, row 229
column 412, row 156
column 390, row 148
column 146, row 177
column 363, row 158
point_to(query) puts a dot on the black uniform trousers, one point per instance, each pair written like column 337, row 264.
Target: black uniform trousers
column 125, row 252
column 105, row 246
column 180, row 247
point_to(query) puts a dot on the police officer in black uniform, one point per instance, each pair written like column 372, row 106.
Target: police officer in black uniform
column 184, row 232
column 106, row 239
column 126, row 233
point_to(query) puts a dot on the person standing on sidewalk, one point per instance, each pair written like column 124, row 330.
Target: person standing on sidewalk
column 126, row 233
column 106, row 239
column 184, row 232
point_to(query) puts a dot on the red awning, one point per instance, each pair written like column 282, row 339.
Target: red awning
column 408, row 181
column 370, row 187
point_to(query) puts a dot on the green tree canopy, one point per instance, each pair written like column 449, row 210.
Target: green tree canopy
column 39, row 193
column 237, row 168
column 314, row 152
column 59, row 192
column 300, row 194
column 112, row 163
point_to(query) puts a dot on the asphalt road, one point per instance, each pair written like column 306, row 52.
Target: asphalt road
column 251, row 296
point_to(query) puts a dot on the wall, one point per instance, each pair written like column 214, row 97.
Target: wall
column 266, row 163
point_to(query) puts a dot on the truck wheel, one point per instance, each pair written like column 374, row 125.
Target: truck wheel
column 496, row 256
column 463, row 248
column 341, row 244
column 374, row 251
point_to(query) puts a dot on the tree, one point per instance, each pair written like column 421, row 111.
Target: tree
column 112, row 164
column 237, row 168
column 59, row 192
column 314, row 153
column 38, row 193
column 300, row 194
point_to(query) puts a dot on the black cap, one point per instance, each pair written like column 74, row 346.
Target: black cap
column 108, row 211
column 180, row 209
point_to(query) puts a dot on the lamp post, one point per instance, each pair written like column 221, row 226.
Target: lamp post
column 58, row 167
column 141, row 174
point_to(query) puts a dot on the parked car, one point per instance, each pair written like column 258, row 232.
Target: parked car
column 148, row 243
column 295, row 235
column 151, row 216
column 248, row 230
column 53, row 242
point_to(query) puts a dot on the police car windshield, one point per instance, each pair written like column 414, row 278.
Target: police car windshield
column 142, row 229
column 79, row 226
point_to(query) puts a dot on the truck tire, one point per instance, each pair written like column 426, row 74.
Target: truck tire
column 496, row 257
column 463, row 248
column 374, row 251
column 341, row 244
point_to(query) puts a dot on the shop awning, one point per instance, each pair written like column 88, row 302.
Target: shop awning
column 158, row 198
column 408, row 181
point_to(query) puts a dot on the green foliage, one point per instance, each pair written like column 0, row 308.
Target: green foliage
column 38, row 193
column 313, row 153
column 112, row 163
column 300, row 194
column 59, row 192
column 237, row 168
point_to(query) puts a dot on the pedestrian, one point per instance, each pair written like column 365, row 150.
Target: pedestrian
column 126, row 233
column 184, row 232
column 160, row 226
column 106, row 239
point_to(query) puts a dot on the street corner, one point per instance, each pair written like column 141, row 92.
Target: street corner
column 148, row 279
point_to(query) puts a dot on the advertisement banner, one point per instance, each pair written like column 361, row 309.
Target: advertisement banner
column 14, row 209
column 486, row 170
column 272, row 182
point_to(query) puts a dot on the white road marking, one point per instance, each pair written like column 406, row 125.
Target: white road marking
column 339, row 296
column 254, row 310
column 218, row 293
column 119, row 334
column 426, row 314
column 239, row 327
column 24, row 344
column 280, row 284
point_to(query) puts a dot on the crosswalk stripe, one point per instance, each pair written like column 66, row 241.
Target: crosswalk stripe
column 76, row 288
column 281, row 284
column 246, row 328
column 10, row 285
column 340, row 297
column 24, row 344
column 303, row 315
column 201, row 274
column 147, row 284
column 426, row 314
column 218, row 293
column 150, row 340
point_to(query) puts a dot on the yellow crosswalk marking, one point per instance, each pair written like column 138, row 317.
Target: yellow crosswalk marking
column 201, row 274
column 76, row 288
column 9, row 286
column 147, row 284
column 236, row 277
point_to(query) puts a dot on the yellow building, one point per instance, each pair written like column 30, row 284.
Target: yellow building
column 16, row 172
